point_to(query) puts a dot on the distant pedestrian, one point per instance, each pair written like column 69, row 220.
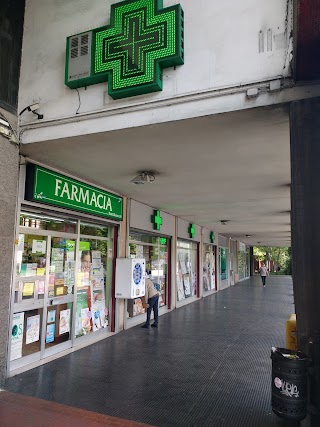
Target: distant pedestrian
column 263, row 273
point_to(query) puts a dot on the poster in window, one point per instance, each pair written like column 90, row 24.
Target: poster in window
column 50, row 333
column 64, row 323
column 33, row 329
column 51, row 316
column 180, row 288
column 17, row 336
column 186, row 284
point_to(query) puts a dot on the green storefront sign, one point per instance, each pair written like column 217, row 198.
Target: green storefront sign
column 142, row 39
column 45, row 186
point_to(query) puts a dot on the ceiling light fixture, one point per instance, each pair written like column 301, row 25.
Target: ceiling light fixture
column 143, row 178
column 248, row 235
column 224, row 221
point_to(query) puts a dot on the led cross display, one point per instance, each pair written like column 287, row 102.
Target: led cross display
column 212, row 237
column 156, row 219
column 192, row 231
column 130, row 53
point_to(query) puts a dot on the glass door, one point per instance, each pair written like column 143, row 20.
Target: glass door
column 60, row 293
column 62, row 288
column 28, row 298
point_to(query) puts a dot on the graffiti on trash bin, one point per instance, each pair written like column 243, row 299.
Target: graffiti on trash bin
column 287, row 389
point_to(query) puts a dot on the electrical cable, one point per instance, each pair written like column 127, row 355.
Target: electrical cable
column 79, row 101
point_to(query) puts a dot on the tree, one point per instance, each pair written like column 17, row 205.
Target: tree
column 281, row 257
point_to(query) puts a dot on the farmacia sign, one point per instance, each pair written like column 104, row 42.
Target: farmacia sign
column 45, row 186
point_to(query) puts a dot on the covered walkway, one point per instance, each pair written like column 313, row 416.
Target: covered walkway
column 208, row 364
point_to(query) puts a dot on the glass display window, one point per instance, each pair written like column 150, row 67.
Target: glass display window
column 209, row 268
column 94, row 281
column 62, row 286
column 31, row 267
column 187, row 267
column 223, row 263
column 26, row 333
column 155, row 251
column 47, row 222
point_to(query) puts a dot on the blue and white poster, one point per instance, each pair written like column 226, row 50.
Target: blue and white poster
column 50, row 333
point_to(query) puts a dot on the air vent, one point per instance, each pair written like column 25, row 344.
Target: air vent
column 74, row 53
column 84, row 39
column 74, row 42
column 79, row 61
column 84, row 50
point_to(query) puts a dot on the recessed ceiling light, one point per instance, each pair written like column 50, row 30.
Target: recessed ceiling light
column 224, row 221
column 248, row 235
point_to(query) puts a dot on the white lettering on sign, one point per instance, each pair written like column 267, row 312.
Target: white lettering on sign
column 290, row 390
column 58, row 186
column 72, row 192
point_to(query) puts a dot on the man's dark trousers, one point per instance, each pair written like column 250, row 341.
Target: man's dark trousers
column 153, row 305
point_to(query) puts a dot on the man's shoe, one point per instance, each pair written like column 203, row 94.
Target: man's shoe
column 145, row 326
column 154, row 325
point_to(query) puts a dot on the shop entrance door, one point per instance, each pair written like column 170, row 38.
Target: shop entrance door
column 43, row 297
column 59, row 295
column 63, row 286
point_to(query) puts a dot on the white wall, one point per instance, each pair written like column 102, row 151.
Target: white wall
column 221, row 50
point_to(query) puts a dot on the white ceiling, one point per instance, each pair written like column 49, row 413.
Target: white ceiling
column 233, row 166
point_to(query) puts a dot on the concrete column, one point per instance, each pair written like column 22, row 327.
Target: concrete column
column 9, row 170
column 305, row 219
column 251, row 262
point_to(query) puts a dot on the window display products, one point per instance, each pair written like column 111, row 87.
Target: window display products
column 156, row 252
column 62, row 290
column 187, row 269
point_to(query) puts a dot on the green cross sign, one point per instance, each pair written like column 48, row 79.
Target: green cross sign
column 142, row 39
column 212, row 237
column 192, row 230
column 156, row 219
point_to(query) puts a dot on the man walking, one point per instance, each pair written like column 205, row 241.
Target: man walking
column 152, row 302
column 263, row 273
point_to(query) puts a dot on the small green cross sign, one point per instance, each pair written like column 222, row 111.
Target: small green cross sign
column 156, row 219
column 142, row 39
column 192, row 230
column 212, row 237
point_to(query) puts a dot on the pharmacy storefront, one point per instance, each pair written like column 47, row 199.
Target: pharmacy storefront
column 63, row 286
column 150, row 238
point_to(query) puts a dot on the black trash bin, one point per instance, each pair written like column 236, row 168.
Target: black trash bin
column 289, row 383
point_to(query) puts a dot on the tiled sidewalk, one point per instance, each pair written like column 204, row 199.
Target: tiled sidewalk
column 207, row 365
column 17, row 410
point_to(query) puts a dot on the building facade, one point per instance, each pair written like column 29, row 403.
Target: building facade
column 207, row 134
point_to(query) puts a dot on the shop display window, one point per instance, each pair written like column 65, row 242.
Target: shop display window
column 243, row 264
column 58, row 325
column 26, row 333
column 209, row 268
column 223, row 262
column 94, row 283
column 154, row 250
column 50, row 290
column 186, row 269
column 31, row 267
column 46, row 222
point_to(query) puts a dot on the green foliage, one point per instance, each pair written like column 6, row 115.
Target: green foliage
column 281, row 257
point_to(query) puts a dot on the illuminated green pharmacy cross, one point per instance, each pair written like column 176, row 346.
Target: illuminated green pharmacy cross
column 212, row 237
column 157, row 220
column 141, row 40
column 192, row 230
column 131, row 48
